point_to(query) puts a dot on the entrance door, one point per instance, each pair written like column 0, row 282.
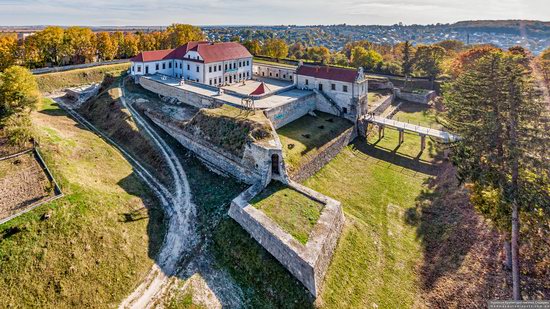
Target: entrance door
column 320, row 87
column 230, row 79
column 275, row 164
column 146, row 69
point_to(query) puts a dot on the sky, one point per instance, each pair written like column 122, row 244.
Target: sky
column 263, row 12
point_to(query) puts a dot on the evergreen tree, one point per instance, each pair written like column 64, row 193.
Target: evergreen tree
column 407, row 59
column 503, row 122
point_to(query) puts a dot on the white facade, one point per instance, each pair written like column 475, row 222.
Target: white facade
column 193, row 67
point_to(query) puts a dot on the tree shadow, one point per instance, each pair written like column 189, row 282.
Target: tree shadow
column 391, row 156
column 454, row 238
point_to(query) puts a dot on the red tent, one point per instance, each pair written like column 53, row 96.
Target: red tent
column 260, row 90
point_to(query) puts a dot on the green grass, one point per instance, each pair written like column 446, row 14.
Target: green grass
column 302, row 139
column 294, row 212
column 280, row 64
column 102, row 236
column 378, row 251
column 420, row 114
column 58, row 81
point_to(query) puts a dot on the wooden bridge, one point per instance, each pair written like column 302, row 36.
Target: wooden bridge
column 382, row 122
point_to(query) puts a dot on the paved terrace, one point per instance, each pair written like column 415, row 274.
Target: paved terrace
column 404, row 126
column 265, row 103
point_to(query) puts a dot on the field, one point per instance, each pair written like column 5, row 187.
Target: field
column 303, row 138
column 99, row 240
column 418, row 114
column 293, row 211
column 58, row 81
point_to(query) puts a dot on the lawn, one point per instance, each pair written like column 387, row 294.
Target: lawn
column 294, row 212
column 100, row 239
column 420, row 114
column 303, row 138
column 51, row 82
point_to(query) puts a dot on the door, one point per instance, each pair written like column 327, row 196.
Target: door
column 146, row 69
column 275, row 164
column 230, row 79
column 320, row 87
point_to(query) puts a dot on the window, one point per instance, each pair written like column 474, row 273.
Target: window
column 240, row 75
column 345, row 110
column 164, row 65
column 284, row 75
column 157, row 66
column 169, row 65
column 345, row 88
column 209, row 69
column 188, row 67
column 247, row 62
column 270, row 74
column 139, row 68
column 215, row 68
column 197, row 68
column 307, row 82
column 226, row 66
column 333, row 87
column 226, row 77
column 220, row 67
column 277, row 75
column 210, row 81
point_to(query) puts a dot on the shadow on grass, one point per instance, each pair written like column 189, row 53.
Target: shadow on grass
column 450, row 232
column 391, row 156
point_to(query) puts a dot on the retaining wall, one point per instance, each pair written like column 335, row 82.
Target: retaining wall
column 386, row 102
column 325, row 154
column 283, row 114
column 253, row 167
column 309, row 262
column 182, row 95
column 423, row 98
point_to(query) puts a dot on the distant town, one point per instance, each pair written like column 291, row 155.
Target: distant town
column 534, row 35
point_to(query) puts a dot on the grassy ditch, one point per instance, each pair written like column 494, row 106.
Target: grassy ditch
column 296, row 213
column 419, row 114
column 51, row 82
column 302, row 139
column 96, row 243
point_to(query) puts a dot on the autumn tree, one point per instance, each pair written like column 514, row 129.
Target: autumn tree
column 18, row 91
column 297, row 50
column 129, row 46
column 502, row 120
column 179, row 34
column 32, row 53
column 275, row 48
column 427, row 60
column 465, row 59
column 368, row 59
column 79, row 44
column 318, row 54
column 106, row 46
column 51, row 44
column 8, row 51
column 253, row 46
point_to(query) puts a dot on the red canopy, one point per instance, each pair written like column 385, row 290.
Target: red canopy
column 260, row 90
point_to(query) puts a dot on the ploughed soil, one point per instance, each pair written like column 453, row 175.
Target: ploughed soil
column 23, row 183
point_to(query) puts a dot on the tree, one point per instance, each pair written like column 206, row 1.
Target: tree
column 79, row 45
column 275, row 48
column 297, row 50
column 106, row 46
column 339, row 59
column 32, row 54
column 129, row 47
column 407, row 61
column 179, row 34
column 428, row 59
column 253, row 46
column 467, row 58
column 368, row 59
column 451, row 47
column 8, row 51
column 51, row 44
column 18, row 91
column 318, row 54
column 494, row 107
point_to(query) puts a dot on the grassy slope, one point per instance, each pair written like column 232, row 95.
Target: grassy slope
column 99, row 241
column 55, row 81
column 306, row 147
column 293, row 211
column 417, row 114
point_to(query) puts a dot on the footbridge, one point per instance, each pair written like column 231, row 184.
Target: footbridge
column 382, row 123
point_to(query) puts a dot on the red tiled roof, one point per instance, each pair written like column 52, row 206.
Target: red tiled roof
column 326, row 72
column 209, row 52
column 153, row 55
column 222, row 51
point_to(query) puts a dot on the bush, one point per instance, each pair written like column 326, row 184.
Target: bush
column 18, row 129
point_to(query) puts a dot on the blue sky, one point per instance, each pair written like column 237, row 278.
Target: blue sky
column 263, row 12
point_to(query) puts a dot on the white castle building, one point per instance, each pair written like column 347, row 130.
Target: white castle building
column 208, row 63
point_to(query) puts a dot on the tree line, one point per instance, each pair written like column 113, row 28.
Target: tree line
column 55, row 46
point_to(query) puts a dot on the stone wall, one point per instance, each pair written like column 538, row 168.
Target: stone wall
column 386, row 102
column 309, row 262
column 286, row 113
column 253, row 167
column 380, row 84
column 422, row 98
column 181, row 95
column 326, row 153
